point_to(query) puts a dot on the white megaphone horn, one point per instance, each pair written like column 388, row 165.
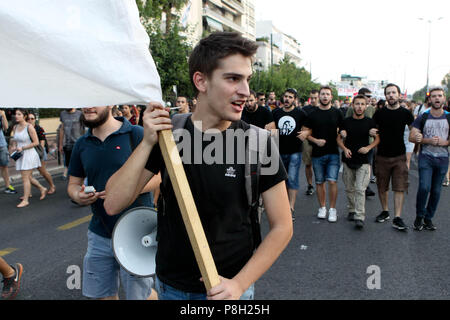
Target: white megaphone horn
column 134, row 241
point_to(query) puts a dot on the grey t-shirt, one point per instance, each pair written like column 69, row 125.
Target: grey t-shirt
column 434, row 127
column 73, row 127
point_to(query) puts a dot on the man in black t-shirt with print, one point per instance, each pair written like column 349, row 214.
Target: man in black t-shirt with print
column 256, row 115
column 220, row 69
column 391, row 154
column 289, row 121
column 324, row 123
column 355, row 156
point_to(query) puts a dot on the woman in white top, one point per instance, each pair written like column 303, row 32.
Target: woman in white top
column 26, row 139
column 408, row 145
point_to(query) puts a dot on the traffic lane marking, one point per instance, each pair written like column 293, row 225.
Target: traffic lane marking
column 6, row 251
column 75, row 223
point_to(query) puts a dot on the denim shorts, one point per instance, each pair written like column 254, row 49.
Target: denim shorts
column 166, row 292
column 102, row 273
column 326, row 168
column 292, row 163
column 4, row 156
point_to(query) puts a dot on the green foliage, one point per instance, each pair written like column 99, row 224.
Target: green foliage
column 282, row 76
column 446, row 83
column 170, row 52
column 169, row 48
column 49, row 113
column 420, row 94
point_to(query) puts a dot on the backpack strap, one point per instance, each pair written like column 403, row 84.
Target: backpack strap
column 423, row 120
column 425, row 117
column 252, row 168
column 254, row 152
column 179, row 120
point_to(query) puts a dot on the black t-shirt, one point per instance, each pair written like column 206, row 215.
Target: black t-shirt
column 260, row 118
column 324, row 125
column 391, row 125
column 221, row 201
column 308, row 109
column 357, row 137
column 289, row 125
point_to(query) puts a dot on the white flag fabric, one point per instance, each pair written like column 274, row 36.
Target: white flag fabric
column 74, row 53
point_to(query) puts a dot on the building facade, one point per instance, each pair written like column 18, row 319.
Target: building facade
column 202, row 17
column 274, row 45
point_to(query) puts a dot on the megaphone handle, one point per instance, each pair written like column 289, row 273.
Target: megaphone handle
column 188, row 209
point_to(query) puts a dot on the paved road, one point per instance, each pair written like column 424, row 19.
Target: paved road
column 323, row 260
column 335, row 261
column 45, row 251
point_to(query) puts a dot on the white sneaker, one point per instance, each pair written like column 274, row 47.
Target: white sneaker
column 332, row 215
column 322, row 213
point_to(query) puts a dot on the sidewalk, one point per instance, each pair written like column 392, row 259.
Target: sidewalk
column 15, row 178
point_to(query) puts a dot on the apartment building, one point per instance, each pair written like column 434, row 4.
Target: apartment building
column 202, row 17
column 275, row 44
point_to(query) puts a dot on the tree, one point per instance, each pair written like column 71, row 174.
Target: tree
column 283, row 76
column 168, row 45
column 446, row 82
column 153, row 9
column 419, row 95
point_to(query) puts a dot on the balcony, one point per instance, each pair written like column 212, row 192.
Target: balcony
column 235, row 5
column 224, row 21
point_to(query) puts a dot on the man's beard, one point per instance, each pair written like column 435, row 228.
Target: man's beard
column 392, row 105
column 250, row 108
column 101, row 119
column 287, row 104
column 437, row 107
column 359, row 113
column 324, row 104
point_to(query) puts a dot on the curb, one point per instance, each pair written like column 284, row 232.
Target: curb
column 16, row 180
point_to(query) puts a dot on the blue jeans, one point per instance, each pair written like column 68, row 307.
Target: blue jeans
column 166, row 292
column 292, row 163
column 326, row 168
column 432, row 172
column 101, row 273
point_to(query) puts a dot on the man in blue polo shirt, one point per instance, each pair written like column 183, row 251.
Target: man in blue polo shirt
column 98, row 155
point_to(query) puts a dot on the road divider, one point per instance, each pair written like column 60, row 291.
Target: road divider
column 75, row 223
column 6, row 251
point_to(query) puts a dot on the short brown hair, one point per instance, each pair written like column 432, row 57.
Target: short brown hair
column 209, row 51
column 437, row 89
column 325, row 88
column 392, row 85
column 360, row 96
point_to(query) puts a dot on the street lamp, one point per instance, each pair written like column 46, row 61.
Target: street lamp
column 429, row 46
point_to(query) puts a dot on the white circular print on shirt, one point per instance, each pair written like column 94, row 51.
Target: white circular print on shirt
column 286, row 125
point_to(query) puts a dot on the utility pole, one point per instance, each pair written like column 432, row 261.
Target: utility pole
column 271, row 61
column 429, row 47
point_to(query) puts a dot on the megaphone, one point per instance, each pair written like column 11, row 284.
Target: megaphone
column 134, row 241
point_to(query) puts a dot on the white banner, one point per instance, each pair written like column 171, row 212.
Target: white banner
column 74, row 53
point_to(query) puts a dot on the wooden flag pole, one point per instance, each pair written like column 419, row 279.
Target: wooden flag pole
column 188, row 209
